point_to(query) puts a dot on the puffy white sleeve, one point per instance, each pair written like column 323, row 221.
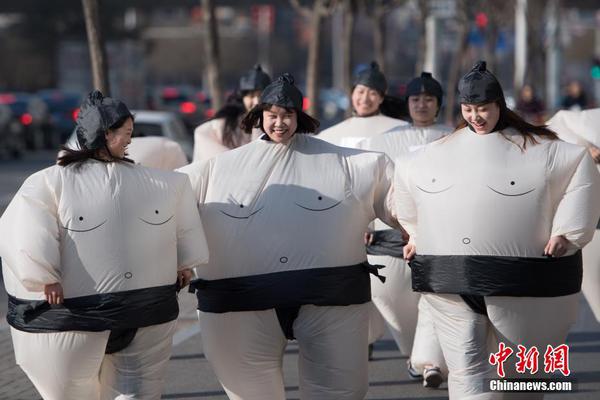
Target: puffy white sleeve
column 192, row 248
column 383, row 203
column 578, row 210
column 174, row 156
column 30, row 234
column 207, row 140
column 404, row 203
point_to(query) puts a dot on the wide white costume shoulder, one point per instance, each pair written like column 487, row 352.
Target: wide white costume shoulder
column 472, row 194
column 351, row 131
column 250, row 195
column 581, row 127
column 404, row 139
column 88, row 227
column 156, row 152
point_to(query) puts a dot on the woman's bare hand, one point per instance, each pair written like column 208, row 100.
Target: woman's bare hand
column 556, row 246
column 409, row 251
column 54, row 293
column 184, row 277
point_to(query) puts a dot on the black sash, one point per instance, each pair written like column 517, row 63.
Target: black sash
column 497, row 275
column 387, row 242
column 333, row 286
column 107, row 311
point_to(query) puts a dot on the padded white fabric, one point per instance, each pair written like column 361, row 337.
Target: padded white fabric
column 353, row 130
column 245, row 350
column 156, row 152
column 470, row 194
column 395, row 299
column 97, row 228
column 208, row 139
column 322, row 196
column 583, row 127
column 304, row 204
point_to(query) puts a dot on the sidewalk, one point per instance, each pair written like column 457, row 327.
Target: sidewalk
column 190, row 376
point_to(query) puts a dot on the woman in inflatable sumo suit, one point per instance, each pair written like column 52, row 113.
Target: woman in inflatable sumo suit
column 285, row 217
column 223, row 132
column 93, row 250
column 373, row 112
column 394, row 299
column 497, row 213
column 371, row 116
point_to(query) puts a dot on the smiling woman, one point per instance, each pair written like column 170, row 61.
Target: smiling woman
column 285, row 217
column 91, row 250
column 495, row 247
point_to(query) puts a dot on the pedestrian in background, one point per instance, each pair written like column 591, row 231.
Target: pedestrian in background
column 223, row 132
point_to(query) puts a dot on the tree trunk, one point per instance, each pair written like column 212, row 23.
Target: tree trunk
column 312, row 68
column 96, row 45
column 462, row 39
column 212, row 53
column 379, row 15
column 422, row 41
column 348, row 30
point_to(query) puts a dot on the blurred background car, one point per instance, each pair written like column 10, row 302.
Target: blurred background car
column 155, row 123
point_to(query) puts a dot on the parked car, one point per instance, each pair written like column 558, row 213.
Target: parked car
column 12, row 140
column 56, row 119
column 156, row 123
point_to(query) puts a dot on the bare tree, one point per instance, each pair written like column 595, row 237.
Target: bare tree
column 379, row 10
column 422, row 40
column 211, row 46
column 96, row 45
column 319, row 10
column 463, row 18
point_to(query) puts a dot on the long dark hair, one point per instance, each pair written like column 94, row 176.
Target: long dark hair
column 510, row 119
column 231, row 112
column 254, row 119
column 68, row 155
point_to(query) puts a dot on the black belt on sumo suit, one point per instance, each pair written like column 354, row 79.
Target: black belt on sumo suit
column 474, row 277
column 287, row 291
column 121, row 312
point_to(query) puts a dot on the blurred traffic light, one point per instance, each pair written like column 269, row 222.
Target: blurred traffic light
column 595, row 70
column 481, row 20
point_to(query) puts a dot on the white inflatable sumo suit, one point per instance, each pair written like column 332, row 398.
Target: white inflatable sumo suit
column 480, row 210
column 583, row 128
column 285, row 223
column 395, row 299
column 114, row 235
column 353, row 130
column 209, row 137
column 349, row 133
column 157, row 152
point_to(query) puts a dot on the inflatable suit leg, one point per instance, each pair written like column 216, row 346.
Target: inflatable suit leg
column 531, row 321
column 426, row 348
column 245, row 349
column 376, row 322
column 591, row 274
column 464, row 338
column 137, row 371
column 396, row 301
column 62, row 365
column 332, row 344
